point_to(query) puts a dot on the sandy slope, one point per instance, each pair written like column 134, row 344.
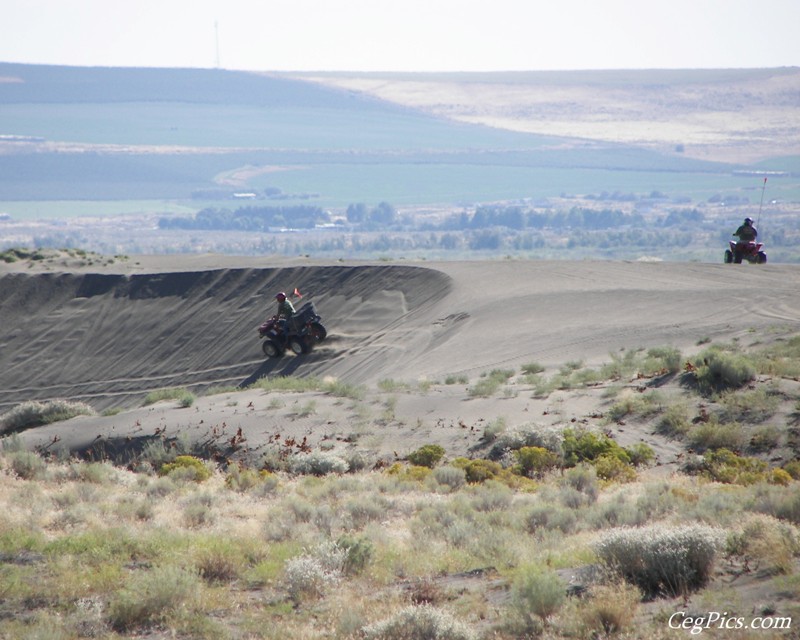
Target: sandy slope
column 108, row 335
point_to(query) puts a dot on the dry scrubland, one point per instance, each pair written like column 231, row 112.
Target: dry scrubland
column 655, row 487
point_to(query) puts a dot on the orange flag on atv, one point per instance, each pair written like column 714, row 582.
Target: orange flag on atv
column 297, row 293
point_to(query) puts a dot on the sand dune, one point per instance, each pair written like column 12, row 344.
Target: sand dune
column 109, row 335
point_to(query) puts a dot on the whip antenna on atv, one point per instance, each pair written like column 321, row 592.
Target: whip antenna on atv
column 758, row 219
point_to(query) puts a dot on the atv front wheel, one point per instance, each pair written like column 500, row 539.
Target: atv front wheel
column 737, row 257
column 272, row 349
column 299, row 345
column 762, row 257
column 728, row 256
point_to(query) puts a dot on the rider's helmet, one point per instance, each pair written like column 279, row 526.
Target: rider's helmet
column 748, row 221
column 281, row 296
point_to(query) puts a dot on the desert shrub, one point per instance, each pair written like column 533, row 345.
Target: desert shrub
column 583, row 479
column 716, row 369
column 765, row 438
column 583, row 445
column 312, row 574
column 723, row 465
column 609, row 467
column 244, row 479
column 610, row 609
column 27, row 464
column 449, row 476
column 35, row 414
column 419, row 622
column 317, row 463
column 363, row 510
column 220, row 562
column 92, row 472
column 489, row 384
column 793, row 469
column 550, row 517
column 479, row 470
column 491, row 496
column 494, row 429
column 150, row 597
column 426, row 456
column 713, row 435
column 535, row 592
column 661, row 560
column 532, row 368
column 183, row 397
column 780, row 477
column 778, row 501
column 529, row 435
column 766, row 542
column 186, row 468
column 535, row 461
column 359, row 552
column 640, row 454
column 662, row 360
column 748, row 406
column 642, row 405
column 411, row 473
column 674, row 422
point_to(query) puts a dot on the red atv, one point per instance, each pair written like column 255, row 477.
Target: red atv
column 299, row 333
column 750, row 251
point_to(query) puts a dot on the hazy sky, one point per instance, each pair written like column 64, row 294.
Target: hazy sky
column 403, row 35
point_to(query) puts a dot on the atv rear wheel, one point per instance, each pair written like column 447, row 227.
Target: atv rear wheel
column 737, row 257
column 317, row 331
column 272, row 349
column 762, row 257
column 728, row 256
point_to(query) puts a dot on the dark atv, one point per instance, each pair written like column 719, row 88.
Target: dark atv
column 299, row 333
column 751, row 251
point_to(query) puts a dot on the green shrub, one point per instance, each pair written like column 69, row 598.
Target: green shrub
column 186, row 468
column 716, row 369
column 538, row 593
column 479, row 470
column 150, row 597
column 583, row 445
column 184, row 397
column 532, row 368
column 609, row 467
column 674, row 422
column 489, row 384
column 662, row 561
column 27, row 464
column 419, row 622
column 535, row 461
column 640, row 454
column 723, row 465
column 793, row 469
column 359, row 552
column 35, row 414
column 450, row 476
column 713, row 435
column 426, row 456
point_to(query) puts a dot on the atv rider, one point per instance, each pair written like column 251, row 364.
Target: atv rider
column 285, row 310
column 746, row 232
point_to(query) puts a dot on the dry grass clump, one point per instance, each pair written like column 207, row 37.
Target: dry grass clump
column 419, row 622
column 35, row 414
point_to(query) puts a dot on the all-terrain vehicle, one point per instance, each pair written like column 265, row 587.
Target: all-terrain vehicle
column 751, row 251
column 299, row 333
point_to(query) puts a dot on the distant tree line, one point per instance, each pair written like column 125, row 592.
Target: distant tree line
column 250, row 219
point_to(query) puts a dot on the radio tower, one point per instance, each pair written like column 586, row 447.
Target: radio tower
column 216, row 41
